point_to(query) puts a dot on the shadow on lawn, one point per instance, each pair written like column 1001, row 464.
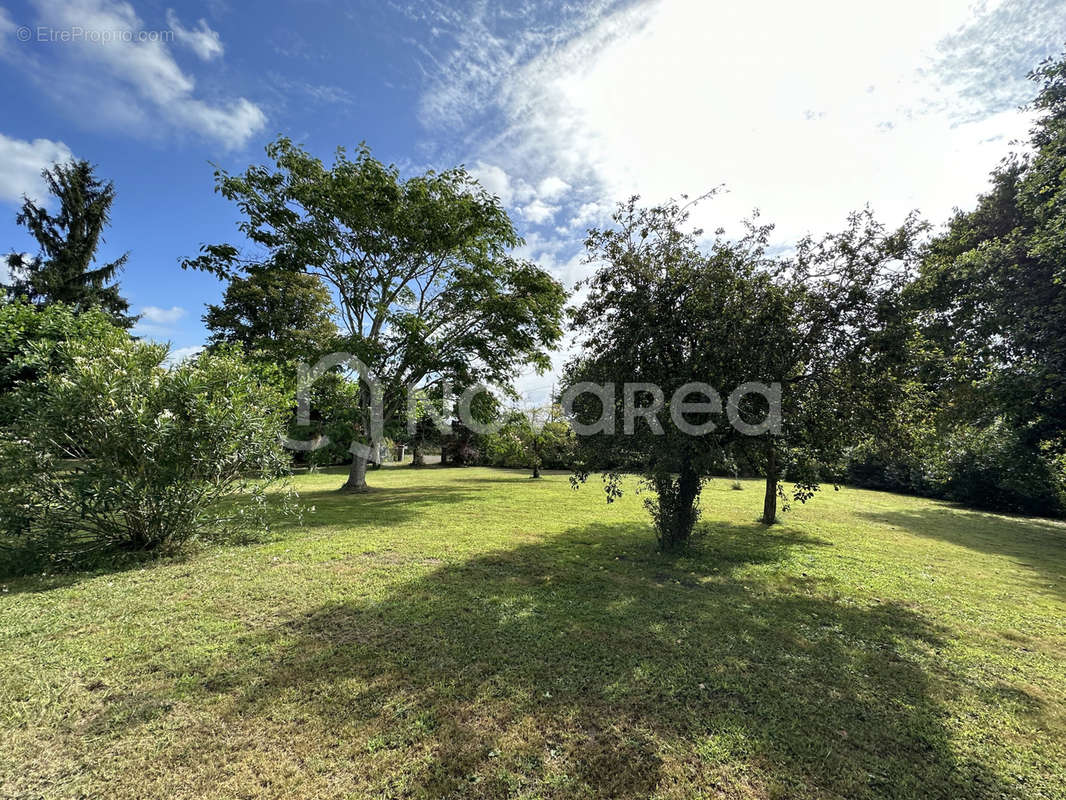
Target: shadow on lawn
column 1037, row 544
column 381, row 506
column 587, row 666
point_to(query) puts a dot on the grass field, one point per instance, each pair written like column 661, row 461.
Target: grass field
column 470, row 633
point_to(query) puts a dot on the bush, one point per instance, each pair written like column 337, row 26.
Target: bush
column 28, row 343
column 989, row 467
column 517, row 445
column 115, row 450
column 993, row 468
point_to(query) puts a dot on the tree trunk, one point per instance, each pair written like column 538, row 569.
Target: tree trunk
column 536, row 471
column 769, row 505
column 356, row 475
column 418, row 455
column 443, row 456
column 677, row 507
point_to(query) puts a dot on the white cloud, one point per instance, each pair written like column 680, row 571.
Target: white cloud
column 495, row 181
column 158, row 323
column 162, row 316
column 7, row 26
column 21, row 163
column 552, row 187
column 179, row 354
column 805, row 112
column 538, row 211
column 130, row 81
column 203, row 41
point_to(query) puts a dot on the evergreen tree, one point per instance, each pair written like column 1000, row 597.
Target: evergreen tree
column 65, row 270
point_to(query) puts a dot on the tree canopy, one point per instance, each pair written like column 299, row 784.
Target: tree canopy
column 281, row 316
column 426, row 289
column 65, row 269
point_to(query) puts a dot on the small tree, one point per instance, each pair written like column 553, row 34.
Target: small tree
column 838, row 348
column 64, row 271
column 659, row 315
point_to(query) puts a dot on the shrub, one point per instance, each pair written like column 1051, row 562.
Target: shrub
column 993, row 468
column 115, row 450
column 518, row 444
column 28, row 343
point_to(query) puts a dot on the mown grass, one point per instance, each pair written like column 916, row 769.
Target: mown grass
column 470, row 633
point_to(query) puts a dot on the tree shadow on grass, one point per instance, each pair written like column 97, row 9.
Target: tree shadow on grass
column 31, row 568
column 382, row 507
column 587, row 666
column 1037, row 544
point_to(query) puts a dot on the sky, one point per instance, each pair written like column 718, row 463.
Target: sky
column 803, row 111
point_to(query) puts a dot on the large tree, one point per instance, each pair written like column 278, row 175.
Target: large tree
column 65, row 269
column 992, row 290
column 426, row 290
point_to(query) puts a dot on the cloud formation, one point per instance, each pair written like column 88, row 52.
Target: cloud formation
column 162, row 316
column 203, row 41
column 805, row 112
column 127, row 74
column 21, row 164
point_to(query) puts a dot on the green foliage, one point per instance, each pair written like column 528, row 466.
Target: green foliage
column 530, row 439
column 64, row 271
column 839, row 350
column 28, row 339
column 282, row 317
column 993, row 468
column 826, row 324
column 426, row 289
column 659, row 310
column 990, row 300
column 115, row 450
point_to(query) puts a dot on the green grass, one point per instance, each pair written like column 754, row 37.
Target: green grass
column 474, row 634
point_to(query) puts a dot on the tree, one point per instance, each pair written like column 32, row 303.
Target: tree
column 282, row 317
column 992, row 290
column 64, row 271
column 661, row 315
column 426, row 291
column 838, row 349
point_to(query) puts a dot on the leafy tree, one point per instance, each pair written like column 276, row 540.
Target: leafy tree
column 283, row 317
column 661, row 312
column 992, row 290
column 837, row 344
column 426, row 290
column 991, row 305
column 534, row 438
column 115, row 450
column 64, row 271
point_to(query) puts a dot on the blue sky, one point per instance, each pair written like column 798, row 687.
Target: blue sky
column 802, row 110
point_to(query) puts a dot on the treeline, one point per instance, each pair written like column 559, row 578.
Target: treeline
column 986, row 400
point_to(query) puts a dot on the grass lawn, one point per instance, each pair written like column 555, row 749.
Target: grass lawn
column 470, row 633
